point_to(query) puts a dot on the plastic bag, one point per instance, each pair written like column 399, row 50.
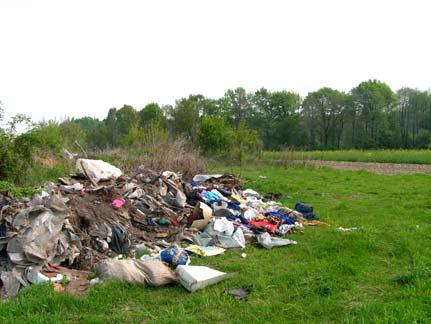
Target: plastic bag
column 269, row 242
column 224, row 226
column 174, row 256
column 120, row 242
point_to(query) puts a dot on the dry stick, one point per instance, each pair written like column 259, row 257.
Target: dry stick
column 87, row 175
column 83, row 151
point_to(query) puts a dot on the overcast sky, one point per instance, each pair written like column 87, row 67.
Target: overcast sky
column 76, row 58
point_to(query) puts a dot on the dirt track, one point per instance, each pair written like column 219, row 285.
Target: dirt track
column 383, row 168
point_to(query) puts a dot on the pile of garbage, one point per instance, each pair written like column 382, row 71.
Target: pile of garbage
column 136, row 228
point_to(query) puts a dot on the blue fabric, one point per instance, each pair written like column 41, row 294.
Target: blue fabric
column 303, row 208
column 3, row 230
column 286, row 219
column 234, row 205
column 310, row 216
column 240, row 218
column 150, row 222
column 211, row 197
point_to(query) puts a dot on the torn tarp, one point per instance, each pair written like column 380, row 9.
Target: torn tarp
column 41, row 235
column 40, row 238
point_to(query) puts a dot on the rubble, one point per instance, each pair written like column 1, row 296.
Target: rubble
column 101, row 220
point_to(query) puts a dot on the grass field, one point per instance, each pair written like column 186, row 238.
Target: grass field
column 383, row 156
column 380, row 273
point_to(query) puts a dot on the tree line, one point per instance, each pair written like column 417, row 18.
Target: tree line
column 369, row 116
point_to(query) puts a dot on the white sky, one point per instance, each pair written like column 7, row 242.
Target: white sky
column 82, row 57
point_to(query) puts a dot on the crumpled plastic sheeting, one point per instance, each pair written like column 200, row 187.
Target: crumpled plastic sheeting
column 12, row 281
column 43, row 235
column 224, row 226
column 206, row 177
column 40, row 229
column 211, row 236
column 269, row 241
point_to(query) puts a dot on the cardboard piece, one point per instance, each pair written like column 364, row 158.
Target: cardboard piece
column 203, row 214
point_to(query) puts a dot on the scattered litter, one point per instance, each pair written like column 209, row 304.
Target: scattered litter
column 75, row 187
column 201, row 216
column 205, row 250
column 120, row 241
column 224, row 226
column 118, row 203
column 348, row 229
column 205, row 177
column 197, row 277
column 174, row 256
column 315, row 223
column 58, row 287
column 269, row 241
column 239, row 293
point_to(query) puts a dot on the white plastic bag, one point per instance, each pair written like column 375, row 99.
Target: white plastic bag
column 238, row 236
column 269, row 242
column 222, row 225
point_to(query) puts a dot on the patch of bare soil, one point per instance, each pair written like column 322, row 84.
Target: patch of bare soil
column 382, row 168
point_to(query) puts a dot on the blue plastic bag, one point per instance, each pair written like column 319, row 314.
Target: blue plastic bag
column 174, row 256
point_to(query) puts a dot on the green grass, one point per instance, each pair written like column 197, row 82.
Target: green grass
column 383, row 156
column 380, row 273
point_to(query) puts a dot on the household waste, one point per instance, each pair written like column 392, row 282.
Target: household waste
column 132, row 227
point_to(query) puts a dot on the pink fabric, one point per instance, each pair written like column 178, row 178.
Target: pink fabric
column 118, row 203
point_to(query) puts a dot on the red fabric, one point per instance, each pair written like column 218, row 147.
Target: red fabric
column 174, row 222
column 270, row 227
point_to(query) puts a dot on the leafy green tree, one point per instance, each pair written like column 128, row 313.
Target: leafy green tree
column 414, row 114
column 423, row 139
column 186, row 117
column 323, row 114
column 239, row 105
column 96, row 132
column 372, row 100
column 276, row 117
column 134, row 137
column 72, row 133
column 152, row 114
column 214, row 135
column 244, row 141
column 118, row 123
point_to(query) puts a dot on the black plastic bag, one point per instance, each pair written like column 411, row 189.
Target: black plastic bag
column 120, row 242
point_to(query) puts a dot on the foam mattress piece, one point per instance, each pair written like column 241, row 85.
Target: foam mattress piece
column 198, row 277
